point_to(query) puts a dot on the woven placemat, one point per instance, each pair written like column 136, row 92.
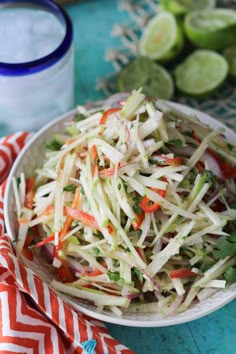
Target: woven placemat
column 221, row 105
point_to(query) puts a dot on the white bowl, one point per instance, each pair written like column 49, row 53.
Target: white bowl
column 31, row 157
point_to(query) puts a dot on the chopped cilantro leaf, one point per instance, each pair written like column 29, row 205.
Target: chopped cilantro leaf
column 17, row 181
column 53, row 145
column 115, row 276
column 152, row 160
column 69, row 188
column 121, row 282
column 210, row 177
column 226, row 247
column 137, row 199
column 79, row 117
column 176, row 142
column 188, row 133
column 74, row 223
column 96, row 251
column 204, row 266
column 31, row 231
column 230, row 275
column 230, row 147
column 116, row 263
column 138, row 273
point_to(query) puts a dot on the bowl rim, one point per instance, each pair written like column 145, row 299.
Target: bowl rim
column 172, row 320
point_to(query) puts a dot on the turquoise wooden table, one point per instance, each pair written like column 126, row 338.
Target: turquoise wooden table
column 214, row 334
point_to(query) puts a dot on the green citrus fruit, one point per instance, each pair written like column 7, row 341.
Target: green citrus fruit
column 143, row 72
column 181, row 7
column 230, row 55
column 201, row 73
column 214, row 29
column 162, row 39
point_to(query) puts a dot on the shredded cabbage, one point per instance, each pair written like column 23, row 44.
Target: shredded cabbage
column 126, row 211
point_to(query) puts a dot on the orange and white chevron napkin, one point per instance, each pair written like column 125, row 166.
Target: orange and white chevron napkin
column 33, row 319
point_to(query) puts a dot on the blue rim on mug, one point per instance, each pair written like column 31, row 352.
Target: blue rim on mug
column 35, row 66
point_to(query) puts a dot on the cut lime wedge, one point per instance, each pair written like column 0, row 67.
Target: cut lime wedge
column 162, row 39
column 230, row 56
column 143, row 72
column 181, row 7
column 201, row 73
column 214, row 29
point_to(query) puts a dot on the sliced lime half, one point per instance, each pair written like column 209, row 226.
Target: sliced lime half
column 143, row 72
column 162, row 39
column 230, row 56
column 181, row 7
column 201, row 73
column 214, row 29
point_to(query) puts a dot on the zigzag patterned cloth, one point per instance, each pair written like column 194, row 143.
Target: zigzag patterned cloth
column 33, row 319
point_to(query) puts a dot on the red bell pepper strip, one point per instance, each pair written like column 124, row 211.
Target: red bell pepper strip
column 26, row 252
column 108, row 172
column 170, row 161
column 110, row 229
column 138, row 221
column 182, row 273
column 196, row 137
column 94, row 273
column 45, row 241
column 93, row 159
column 200, row 167
column 228, row 170
column 47, row 211
column 147, row 205
column 107, row 113
column 69, row 219
column 141, row 253
column 64, row 272
column 85, row 218
column 29, row 196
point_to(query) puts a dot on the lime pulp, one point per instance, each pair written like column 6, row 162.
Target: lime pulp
column 162, row 39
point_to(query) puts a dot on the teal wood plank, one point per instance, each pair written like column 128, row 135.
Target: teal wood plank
column 213, row 334
column 93, row 21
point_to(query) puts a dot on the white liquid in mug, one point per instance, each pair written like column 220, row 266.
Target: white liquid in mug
column 28, row 102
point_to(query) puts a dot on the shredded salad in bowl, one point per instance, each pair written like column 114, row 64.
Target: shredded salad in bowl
column 133, row 208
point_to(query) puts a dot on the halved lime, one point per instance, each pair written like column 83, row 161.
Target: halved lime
column 201, row 73
column 162, row 39
column 214, row 29
column 143, row 72
column 230, row 56
column 181, row 7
